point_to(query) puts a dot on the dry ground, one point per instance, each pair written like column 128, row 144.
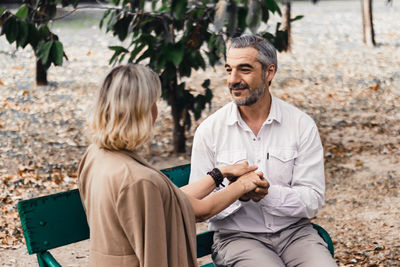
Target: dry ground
column 352, row 92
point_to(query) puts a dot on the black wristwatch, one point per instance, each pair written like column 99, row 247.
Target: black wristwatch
column 217, row 176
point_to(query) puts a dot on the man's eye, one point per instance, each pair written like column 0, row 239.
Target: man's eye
column 246, row 70
column 228, row 70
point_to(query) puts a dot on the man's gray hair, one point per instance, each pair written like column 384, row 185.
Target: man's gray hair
column 266, row 51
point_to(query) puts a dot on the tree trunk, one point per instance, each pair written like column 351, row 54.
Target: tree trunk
column 286, row 25
column 367, row 21
column 179, row 131
column 41, row 73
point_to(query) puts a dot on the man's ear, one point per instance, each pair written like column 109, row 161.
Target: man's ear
column 270, row 73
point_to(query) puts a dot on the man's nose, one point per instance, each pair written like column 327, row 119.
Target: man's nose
column 233, row 77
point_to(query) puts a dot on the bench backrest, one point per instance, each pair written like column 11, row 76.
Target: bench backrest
column 53, row 221
column 59, row 219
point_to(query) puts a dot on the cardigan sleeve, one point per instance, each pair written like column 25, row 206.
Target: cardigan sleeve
column 141, row 213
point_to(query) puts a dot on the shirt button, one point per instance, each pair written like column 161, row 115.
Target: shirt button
column 254, row 139
column 269, row 225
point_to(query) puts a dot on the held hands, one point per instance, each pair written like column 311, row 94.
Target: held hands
column 258, row 193
column 236, row 170
column 256, row 186
column 249, row 181
column 260, row 186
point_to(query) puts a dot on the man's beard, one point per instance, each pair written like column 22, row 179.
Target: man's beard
column 253, row 96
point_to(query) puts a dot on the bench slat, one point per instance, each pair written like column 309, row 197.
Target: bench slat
column 179, row 175
column 53, row 221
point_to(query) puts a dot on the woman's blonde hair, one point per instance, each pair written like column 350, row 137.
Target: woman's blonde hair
column 121, row 117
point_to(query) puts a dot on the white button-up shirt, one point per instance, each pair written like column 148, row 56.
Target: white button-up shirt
column 287, row 150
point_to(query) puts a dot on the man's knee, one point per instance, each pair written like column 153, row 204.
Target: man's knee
column 307, row 249
column 243, row 252
column 311, row 256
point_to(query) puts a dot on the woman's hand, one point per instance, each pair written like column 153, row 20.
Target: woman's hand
column 257, row 194
column 235, row 170
column 250, row 181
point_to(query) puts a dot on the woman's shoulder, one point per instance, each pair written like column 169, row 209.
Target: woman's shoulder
column 119, row 166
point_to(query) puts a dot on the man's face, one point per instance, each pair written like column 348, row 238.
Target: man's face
column 246, row 81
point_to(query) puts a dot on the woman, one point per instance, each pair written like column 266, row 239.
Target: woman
column 137, row 217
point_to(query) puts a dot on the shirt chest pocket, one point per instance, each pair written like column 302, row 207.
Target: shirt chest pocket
column 231, row 157
column 280, row 164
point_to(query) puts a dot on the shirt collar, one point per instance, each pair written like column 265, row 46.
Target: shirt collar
column 274, row 113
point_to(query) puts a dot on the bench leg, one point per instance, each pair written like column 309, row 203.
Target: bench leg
column 45, row 259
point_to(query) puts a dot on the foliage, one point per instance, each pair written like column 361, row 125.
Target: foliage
column 30, row 25
column 175, row 37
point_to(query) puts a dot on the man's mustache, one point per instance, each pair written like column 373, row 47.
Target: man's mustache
column 239, row 86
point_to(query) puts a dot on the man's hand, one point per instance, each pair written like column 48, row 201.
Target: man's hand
column 258, row 193
column 236, row 170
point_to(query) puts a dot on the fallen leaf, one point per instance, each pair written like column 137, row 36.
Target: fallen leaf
column 375, row 87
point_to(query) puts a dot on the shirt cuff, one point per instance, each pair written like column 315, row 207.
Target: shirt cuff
column 235, row 206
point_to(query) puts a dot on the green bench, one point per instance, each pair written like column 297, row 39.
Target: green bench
column 59, row 219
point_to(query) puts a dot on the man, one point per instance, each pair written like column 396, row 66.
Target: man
column 268, row 227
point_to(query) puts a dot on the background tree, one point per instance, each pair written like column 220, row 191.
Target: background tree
column 30, row 25
column 175, row 37
column 286, row 15
column 368, row 22
column 368, row 32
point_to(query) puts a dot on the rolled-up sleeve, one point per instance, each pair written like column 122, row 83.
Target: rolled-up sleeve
column 304, row 196
column 203, row 160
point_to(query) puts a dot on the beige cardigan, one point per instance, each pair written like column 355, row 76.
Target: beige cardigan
column 137, row 217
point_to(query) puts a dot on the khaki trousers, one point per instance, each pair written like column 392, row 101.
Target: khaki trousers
column 297, row 245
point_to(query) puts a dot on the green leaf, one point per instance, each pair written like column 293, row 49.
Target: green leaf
column 273, row 6
column 174, row 53
column 138, row 49
column 2, row 9
column 105, row 15
column 33, row 35
column 57, row 53
column 206, row 83
column 117, row 51
column 179, row 8
column 43, row 51
column 113, row 18
column 22, row 38
column 11, row 28
column 209, row 95
column 241, row 16
column 265, row 12
column 297, row 18
column 22, row 12
column 121, row 27
column 43, row 31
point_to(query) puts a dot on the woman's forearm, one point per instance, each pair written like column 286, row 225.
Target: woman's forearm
column 200, row 188
column 214, row 203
